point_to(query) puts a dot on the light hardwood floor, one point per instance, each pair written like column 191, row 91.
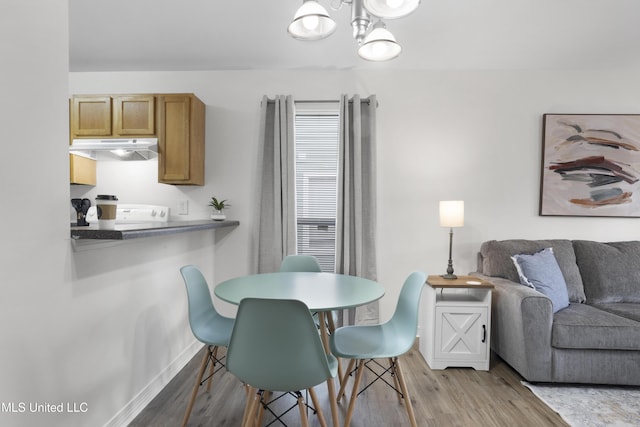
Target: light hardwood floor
column 451, row 397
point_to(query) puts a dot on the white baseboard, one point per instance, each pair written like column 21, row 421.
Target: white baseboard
column 133, row 408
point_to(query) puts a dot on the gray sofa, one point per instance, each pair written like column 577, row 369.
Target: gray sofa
column 596, row 339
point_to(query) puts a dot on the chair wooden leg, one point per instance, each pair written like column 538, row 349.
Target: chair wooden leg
column 316, row 404
column 343, row 381
column 194, row 393
column 354, row 393
column 214, row 353
column 303, row 411
column 330, row 322
column 394, row 374
column 332, row 329
column 248, row 394
column 405, row 392
column 266, row 396
column 253, row 399
column 333, row 402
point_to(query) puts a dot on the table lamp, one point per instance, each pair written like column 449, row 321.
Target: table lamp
column 451, row 215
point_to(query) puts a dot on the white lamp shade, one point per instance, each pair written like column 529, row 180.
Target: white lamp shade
column 379, row 45
column 391, row 9
column 452, row 213
column 311, row 22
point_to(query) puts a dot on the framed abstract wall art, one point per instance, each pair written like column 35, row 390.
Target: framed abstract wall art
column 590, row 165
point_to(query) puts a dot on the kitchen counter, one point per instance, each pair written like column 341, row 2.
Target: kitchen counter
column 135, row 231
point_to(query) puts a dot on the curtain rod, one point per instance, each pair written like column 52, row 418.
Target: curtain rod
column 320, row 101
column 315, row 101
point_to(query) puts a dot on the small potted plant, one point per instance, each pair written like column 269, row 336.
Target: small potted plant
column 218, row 209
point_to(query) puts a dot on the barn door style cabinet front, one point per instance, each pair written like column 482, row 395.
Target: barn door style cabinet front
column 458, row 323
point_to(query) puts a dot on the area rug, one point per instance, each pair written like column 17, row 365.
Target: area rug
column 591, row 406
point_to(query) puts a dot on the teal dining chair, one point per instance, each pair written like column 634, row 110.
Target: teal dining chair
column 295, row 263
column 366, row 343
column 275, row 347
column 207, row 325
column 307, row 263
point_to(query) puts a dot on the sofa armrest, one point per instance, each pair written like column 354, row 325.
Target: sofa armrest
column 521, row 320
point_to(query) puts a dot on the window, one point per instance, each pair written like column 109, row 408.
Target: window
column 316, row 133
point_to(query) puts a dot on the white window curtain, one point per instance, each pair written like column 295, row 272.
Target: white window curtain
column 277, row 219
column 356, row 217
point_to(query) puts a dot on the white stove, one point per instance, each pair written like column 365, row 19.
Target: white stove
column 134, row 214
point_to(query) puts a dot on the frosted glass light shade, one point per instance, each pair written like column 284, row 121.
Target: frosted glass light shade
column 311, row 22
column 379, row 44
column 391, row 9
column 452, row 213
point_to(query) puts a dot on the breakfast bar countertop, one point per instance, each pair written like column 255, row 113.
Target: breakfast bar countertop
column 135, row 231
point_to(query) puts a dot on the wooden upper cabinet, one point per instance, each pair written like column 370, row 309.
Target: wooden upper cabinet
column 177, row 120
column 82, row 170
column 112, row 116
column 181, row 124
column 134, row 115
column 90, row 116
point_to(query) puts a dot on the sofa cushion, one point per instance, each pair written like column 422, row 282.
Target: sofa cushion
column 623, row 309
column 541, row 272
column 581, row 326
column 496, row 261
column 610, row 271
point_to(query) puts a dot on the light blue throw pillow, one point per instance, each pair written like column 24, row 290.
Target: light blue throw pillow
column 541, row 272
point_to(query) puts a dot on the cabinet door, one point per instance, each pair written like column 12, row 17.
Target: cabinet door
column 180, row 139
column 134, row 115
column 173, row 136
column 90, row 116
column 82, row 170
column 461, row 333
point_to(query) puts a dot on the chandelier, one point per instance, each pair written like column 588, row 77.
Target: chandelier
column 376, row 43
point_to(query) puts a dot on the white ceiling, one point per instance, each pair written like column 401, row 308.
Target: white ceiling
column 119, row 35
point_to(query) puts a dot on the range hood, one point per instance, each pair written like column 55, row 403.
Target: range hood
column 124, row 149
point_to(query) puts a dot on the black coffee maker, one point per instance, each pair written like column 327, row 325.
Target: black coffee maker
column 82, row 207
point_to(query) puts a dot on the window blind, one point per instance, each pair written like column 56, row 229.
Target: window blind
column 316, row 135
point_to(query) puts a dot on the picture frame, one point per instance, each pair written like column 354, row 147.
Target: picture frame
column 590, row 165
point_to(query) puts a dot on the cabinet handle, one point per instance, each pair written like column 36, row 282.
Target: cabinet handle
column 484, row 333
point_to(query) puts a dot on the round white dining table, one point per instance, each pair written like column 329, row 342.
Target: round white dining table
column 319, row 291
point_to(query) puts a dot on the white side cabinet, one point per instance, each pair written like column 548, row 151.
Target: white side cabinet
column 458, row 323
